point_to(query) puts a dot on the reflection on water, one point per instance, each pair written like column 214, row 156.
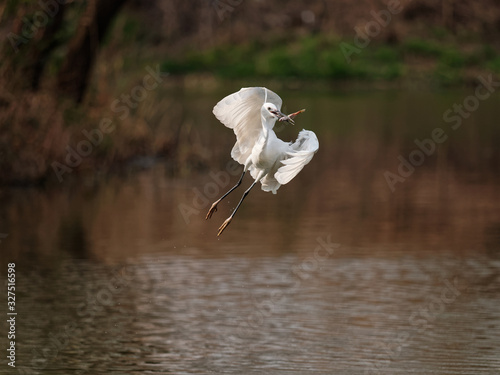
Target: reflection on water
column 185, row 314
column 334, row 274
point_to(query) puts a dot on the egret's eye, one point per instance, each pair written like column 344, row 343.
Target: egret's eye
column 269, row 108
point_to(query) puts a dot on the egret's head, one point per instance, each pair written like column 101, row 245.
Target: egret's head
column 270, row 111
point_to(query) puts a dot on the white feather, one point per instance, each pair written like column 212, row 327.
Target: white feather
column 241, row 112
column 252, row 113
column 267, row 157
column 298, row 155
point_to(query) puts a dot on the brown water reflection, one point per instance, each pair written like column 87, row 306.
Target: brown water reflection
column 115, row 277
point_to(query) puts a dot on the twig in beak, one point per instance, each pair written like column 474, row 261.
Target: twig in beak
column 289, row 118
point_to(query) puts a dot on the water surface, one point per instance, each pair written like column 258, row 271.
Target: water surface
column 336, row 274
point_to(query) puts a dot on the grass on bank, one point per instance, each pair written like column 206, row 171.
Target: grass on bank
column 322, row 58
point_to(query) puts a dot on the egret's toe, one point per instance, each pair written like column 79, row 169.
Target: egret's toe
column 211, row 211
column 224, row 225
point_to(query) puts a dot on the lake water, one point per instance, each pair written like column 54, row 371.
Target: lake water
column 352, row 268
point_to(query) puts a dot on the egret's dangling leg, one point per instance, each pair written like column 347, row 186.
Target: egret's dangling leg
column 214, row 205
column 228, row 220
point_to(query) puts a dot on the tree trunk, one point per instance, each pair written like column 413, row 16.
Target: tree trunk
column 50, row 42
column 29, row 45
column 74, row 75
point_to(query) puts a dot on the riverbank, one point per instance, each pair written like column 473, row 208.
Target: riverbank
column 436, row 63
column 127, row 116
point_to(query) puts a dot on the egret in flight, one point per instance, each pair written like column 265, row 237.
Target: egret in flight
column 252, row 113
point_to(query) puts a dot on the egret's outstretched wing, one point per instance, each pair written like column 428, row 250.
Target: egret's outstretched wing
column 298, row 155
column 241, row 112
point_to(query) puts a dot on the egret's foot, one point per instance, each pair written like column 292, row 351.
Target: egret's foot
column 224, row 225
column 211, row 211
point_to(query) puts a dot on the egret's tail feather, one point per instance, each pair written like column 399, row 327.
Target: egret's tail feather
column 270, row 184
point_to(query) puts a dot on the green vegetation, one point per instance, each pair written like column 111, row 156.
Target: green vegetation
column 61, row 77
column 445, row 63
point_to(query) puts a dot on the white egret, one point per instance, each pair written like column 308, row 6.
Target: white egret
column 252, row 113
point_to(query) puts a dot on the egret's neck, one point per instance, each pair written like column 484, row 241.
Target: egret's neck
column 267, row 126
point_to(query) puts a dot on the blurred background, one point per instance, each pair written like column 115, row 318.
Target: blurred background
column 110, row 157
